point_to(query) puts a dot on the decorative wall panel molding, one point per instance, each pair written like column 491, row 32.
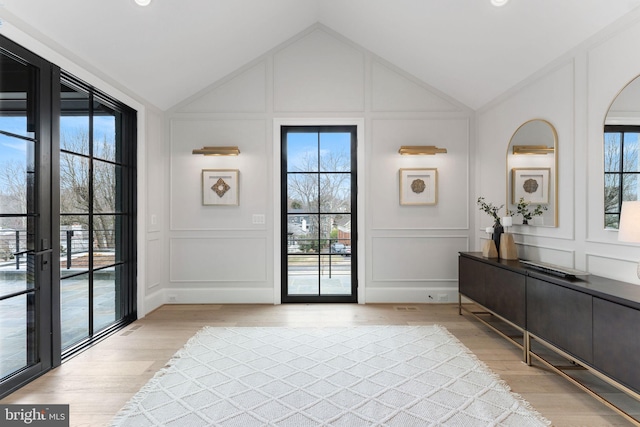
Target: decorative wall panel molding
column 319, row 72
column 218, row 259
column 154, row 254
column 243, row 92
column 550, row 255
column 186, row 209
column 416, row 258
column 614, row 268
column 452, row 210
column 395, row 92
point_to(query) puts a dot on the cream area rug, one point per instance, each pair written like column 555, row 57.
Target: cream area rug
column 352, row 376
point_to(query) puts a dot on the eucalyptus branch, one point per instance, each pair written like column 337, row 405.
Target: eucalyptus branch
column 489, row 209
column 527, row 215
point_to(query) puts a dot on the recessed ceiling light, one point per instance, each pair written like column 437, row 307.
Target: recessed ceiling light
column 146, row 2
column 499, row 2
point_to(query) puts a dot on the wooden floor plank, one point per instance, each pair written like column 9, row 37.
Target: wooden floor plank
column 99, row 381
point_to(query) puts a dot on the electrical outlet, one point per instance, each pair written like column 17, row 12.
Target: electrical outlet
column 442, row 298
column 172, row 298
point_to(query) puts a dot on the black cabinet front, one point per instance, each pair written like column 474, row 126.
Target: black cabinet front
column 615, row 342
column 561, row 316
column 507, row 295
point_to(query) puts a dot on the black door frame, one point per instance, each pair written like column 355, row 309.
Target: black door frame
column 46, row 248
column 285, row 297
column 45, row 293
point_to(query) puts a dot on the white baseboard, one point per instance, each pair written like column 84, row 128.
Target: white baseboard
column 150, row 303
column 265, row 296
column 218, row 296
column 412, row 295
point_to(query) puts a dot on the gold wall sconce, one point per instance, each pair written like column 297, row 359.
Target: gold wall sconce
column 532, row 149
column 218, row 151
column 417, row 150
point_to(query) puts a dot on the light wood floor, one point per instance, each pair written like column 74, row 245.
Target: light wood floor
column 99, row 381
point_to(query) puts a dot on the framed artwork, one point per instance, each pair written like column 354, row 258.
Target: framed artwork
column 532, row 184
column 220, row 187
column 419, row 186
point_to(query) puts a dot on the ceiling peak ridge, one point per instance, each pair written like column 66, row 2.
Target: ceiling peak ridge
column 321, row 27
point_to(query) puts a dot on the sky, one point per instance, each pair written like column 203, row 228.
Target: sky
column 301, row 146
column 14, row 149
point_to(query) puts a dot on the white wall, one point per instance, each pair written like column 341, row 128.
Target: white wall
column 574, row 94
column 217, row 254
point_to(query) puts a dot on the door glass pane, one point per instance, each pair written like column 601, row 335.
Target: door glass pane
column 104, row 132
column 105, row 233
column 335, row 273
column 74, row 244
column 335, row 192
column 74, row 120
column 326, row 226
column 303, row 274
column 17, row 274
column 74, row 184
column 302, row 152
column 105, row 283
column 335, row 152
column 16, row 164
column 74, row 309
column 302, row 192
column 106, row 178
column 17, row 335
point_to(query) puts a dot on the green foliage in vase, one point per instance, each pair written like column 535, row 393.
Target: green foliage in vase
column 489, row 209
column 527, row 215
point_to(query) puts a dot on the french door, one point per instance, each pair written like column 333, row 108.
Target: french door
column 319, row 190
column 26, row 241
column 67, row 215
column 96, row 214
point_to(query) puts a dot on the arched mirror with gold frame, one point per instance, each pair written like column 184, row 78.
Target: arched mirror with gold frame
column 532, row 173
column 621, row 152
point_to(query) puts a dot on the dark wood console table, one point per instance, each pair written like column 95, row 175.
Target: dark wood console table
column 591, row 321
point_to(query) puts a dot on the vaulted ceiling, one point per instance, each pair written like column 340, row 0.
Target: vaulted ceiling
column 171, row 49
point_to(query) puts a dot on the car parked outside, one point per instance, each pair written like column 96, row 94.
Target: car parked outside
column 337, row 248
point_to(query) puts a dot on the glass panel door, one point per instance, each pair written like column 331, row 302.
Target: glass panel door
column 96, row 231
column 318, row 205
column 25, row 240
column 67, row 166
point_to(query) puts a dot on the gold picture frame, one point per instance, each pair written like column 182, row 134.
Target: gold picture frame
column 419, row 186
column 220, row 187
column 531, row 184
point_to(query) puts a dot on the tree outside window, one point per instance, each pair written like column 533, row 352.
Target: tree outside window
column 621, row 170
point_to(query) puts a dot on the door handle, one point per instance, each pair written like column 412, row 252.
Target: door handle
column 44, row 258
